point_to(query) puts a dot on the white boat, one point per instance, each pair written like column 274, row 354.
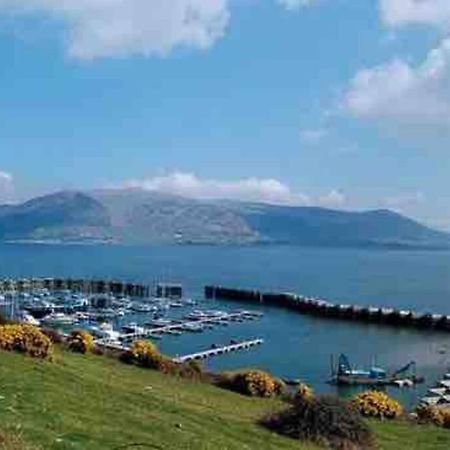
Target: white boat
column 120, row 313
column 133, row 328
column 56, row 319
column 105, row 332
column 142, row 308
column 159, row 323
column 193, row 328
column 176, row 304
column 28, row 318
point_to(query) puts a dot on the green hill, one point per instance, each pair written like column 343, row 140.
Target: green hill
column 93, row 402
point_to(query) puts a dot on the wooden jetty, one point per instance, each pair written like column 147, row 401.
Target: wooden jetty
column 322, row 308
column 244, row 345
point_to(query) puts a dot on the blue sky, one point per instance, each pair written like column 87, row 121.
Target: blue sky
column 339, row 103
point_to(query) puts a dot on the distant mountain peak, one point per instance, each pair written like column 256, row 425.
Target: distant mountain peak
column 138, row 216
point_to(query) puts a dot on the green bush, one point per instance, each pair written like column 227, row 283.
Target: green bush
column 80, row 341
column 25, row 339
column 325, row 420
column 304, row 392
column 55, row 336
column 127, row 357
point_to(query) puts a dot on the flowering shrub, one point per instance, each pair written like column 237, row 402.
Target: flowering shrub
column 377, row 404
column 80, row 341
column 433, row 415
column 257, row 383
column 146, row 354
column 25, row 339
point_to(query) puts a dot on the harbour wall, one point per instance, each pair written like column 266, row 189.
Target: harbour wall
column 321, row 308
column 96, row 286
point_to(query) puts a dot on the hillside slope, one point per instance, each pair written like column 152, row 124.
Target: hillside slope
column 319, row 226
column 64, row 215
column 92, row 402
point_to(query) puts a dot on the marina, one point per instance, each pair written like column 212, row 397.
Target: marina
column 107, row 316
column 307, row 340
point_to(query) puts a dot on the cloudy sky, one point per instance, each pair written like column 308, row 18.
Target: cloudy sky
column 338, row 103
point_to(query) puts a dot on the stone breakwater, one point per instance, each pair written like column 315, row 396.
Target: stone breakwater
column 322, row 308
column 94, row 286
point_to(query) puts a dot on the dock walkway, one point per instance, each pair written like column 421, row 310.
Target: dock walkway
column 219, row 351
column 181, row 325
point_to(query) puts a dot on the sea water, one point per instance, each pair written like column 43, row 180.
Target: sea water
column 296, row 346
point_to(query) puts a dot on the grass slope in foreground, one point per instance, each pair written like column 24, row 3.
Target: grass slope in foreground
column 93, row 402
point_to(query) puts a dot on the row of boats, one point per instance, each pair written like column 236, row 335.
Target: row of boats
column 439, row 394
column 104, row 315
column 63, row 308
column 196, row 321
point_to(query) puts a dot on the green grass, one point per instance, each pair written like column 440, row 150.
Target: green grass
column 93, row 402
column 406, row 436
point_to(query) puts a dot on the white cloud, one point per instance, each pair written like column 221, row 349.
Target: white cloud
column 6, row 186
column 405, row 200
column 403, row 94
column 264, row 190
column 333, row 199
column 403, row 12
column 295, row 4
column 107, row 28
column 313, row 135
column 249, row 189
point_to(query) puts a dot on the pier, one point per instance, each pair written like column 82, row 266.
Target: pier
column 321, row 308
column 183, row 325
column 245, row 345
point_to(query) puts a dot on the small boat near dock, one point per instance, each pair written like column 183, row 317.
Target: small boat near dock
column 343, row 374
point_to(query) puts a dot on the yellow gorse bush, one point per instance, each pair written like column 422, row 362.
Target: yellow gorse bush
column 80, row 341
column 434, row 415
column 146, row 354
column 25, row 339
column 377, row 404
column 258, row 384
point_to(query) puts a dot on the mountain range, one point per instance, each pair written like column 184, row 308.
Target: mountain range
column 140, row 217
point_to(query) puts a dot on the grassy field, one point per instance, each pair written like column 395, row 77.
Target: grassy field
column 93, row 402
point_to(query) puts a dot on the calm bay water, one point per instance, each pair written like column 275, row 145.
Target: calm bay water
column 296, row 346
